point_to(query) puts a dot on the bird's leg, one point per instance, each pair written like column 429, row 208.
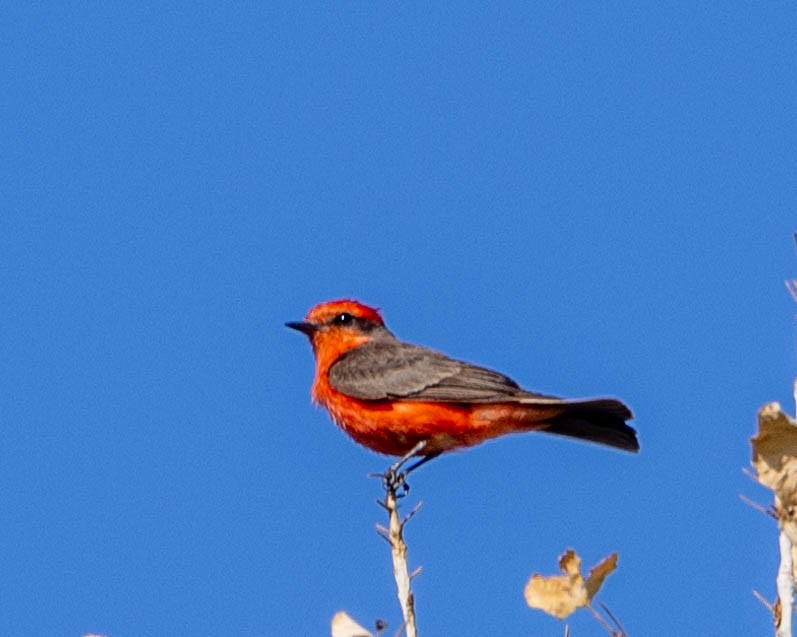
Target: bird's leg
column 395, row 479
column 403, row 460
column 422, row 461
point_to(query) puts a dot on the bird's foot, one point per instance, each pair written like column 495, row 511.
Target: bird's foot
column 394, row 479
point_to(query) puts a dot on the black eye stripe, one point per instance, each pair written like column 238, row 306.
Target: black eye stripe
column 344, row 318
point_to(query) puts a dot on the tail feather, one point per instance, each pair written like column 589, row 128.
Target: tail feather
column 600, row 420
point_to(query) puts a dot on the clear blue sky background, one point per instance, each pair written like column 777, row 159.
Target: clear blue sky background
column 592, row 200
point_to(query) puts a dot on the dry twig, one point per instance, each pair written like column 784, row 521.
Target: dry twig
column 394, row 534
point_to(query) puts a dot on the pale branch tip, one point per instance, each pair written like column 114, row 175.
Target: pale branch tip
column 768, row 511
column 749, row 474
column 791, row 286
column 766, row 603
column 613, row 617
column 602, row 621
column 383, row 533
column 393, row 534
column 411, row 514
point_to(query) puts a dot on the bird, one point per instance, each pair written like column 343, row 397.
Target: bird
column 406, row 400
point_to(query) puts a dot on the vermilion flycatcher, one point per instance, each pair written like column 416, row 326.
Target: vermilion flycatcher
column 396, row 398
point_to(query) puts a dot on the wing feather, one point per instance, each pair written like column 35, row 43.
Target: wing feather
column 380, row 370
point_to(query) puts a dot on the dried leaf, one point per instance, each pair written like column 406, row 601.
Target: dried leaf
column 345, row 626
column 557, row 595
column 560, row 595
column 570, row 563
column 598, row 573
column 775, row 460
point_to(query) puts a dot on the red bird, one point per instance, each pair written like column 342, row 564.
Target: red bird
column 401, row 399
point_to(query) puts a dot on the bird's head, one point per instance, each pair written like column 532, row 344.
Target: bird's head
column 335, row 327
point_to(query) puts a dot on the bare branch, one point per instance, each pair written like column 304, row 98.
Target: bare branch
column 383, row 533
column 411, row 514
column 785, row 587
column 750, row 474
column 395, row 535
column 603, row 622
column 770, row 510
column 791, row 286
column 400, row 630
column 613, row 617
column 764, row 601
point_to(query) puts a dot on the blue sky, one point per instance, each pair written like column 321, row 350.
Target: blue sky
column 593, row 200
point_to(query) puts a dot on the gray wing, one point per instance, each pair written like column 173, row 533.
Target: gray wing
column 392, row 369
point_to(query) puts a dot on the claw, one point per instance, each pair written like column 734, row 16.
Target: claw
column 395, row 480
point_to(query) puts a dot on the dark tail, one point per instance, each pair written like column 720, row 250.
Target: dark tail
column 600, row 420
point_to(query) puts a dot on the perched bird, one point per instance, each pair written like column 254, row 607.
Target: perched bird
column 401, row 399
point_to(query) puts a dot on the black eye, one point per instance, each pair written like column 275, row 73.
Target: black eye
column 343, row 319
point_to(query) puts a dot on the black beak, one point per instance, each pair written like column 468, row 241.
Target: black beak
column 302, row 326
